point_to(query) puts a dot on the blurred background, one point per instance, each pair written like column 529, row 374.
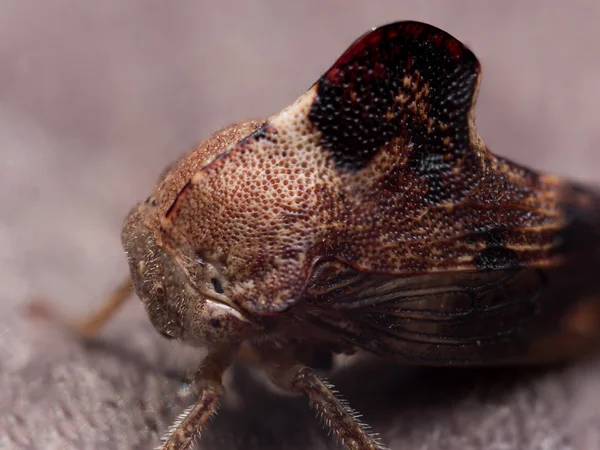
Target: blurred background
column 97, row 97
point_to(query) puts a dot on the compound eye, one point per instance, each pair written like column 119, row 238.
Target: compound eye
column 151, row 201
column 217, row 285
column 166, row 335
column 159, row 289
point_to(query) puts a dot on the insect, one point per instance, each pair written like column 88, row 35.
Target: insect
column 367, row 215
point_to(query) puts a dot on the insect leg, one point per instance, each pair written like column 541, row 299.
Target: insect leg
column 335, row 412
column 208, row 382
column 91, row 325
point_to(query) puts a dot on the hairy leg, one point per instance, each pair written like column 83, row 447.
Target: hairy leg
column 335, row 412
column 91, row 325
column 208, row 382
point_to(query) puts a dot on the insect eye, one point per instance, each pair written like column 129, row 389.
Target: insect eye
column 217, row 286
column 159, row 289
column 151, row 201
column 166, row 335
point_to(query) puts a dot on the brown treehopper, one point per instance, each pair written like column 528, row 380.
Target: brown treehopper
column 367, row 215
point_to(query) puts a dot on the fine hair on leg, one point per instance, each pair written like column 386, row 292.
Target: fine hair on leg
column 208, row 382
column 335, row 412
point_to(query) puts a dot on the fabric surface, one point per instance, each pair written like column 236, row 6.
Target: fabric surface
column 97, row 97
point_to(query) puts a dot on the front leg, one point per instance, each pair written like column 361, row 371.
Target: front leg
column 89, row 326
column 208, row 382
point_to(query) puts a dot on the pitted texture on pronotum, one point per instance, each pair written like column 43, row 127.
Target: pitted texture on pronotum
column 175, row 177
column 378, row 165
column 409, row 86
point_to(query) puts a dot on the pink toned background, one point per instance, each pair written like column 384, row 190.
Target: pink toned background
column 96, row 97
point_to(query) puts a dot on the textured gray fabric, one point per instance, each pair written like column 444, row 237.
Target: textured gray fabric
column 96, row 97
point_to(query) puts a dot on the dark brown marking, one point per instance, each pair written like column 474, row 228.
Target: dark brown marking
column 174, row 205
column 496, row 256
column 266, row 132
column 405, row 80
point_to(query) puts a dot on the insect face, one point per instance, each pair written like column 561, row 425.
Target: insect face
column 194, row 312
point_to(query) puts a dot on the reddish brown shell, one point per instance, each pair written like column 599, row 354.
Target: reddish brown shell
column 377, row 165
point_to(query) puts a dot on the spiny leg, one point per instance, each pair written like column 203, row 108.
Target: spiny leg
column 88, row 326
column 208, row 382
column 337, row 414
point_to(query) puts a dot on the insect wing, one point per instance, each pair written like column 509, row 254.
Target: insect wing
column 474, row 317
